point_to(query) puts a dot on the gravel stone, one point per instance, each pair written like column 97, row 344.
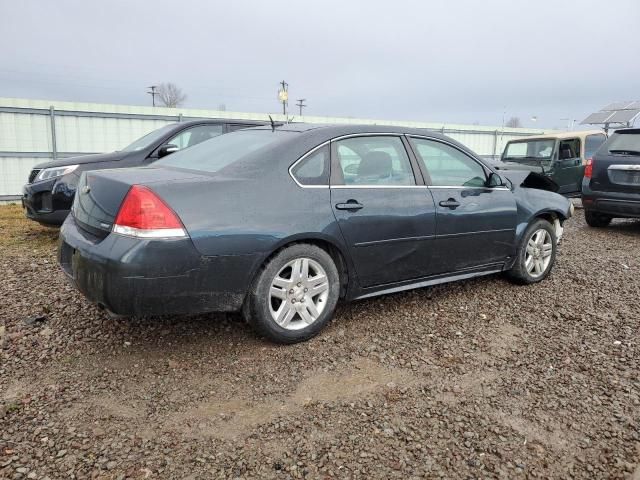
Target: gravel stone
column 477, row 379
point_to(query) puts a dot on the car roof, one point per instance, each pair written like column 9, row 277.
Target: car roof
column 559, row 135
column 332, row 130
column 218, row 121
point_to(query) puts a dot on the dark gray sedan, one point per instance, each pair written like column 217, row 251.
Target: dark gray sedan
column 284, row 222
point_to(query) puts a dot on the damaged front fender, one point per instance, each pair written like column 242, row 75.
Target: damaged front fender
column 531, row 180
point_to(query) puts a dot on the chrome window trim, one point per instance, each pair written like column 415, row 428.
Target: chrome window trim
column 458, row 187
column 310, row 152
column 370, row 134
column 631, row 167
column 378, row 186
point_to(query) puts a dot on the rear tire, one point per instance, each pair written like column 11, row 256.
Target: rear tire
column 536, row 254
column 294, row 295
column 596, row 220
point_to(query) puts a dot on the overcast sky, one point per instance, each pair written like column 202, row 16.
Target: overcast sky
column 461, row 61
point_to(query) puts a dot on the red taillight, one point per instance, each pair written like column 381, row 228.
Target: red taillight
column 144, row 214
column 588, row 169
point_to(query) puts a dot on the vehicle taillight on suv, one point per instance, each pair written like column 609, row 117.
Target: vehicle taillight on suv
column 588, row 169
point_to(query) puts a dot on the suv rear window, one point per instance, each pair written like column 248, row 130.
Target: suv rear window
column 621, row 142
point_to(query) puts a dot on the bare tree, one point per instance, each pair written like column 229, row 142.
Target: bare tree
column 171, row 95
column 513, row 122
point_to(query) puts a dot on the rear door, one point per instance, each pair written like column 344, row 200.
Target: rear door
column 568, row 166
column 385, row 213
column 475, row 224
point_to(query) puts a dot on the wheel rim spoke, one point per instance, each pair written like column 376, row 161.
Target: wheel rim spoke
column 277, row 292
column 318, row 284
column 306, row 315
column 547, row 250
column 285, row 314
column 281, row 283
column 313, row 311
column 528, row 263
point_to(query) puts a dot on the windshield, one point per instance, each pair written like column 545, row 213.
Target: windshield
column 624, row 142
column 147, row 140
column 529, row 149
column 215, row 154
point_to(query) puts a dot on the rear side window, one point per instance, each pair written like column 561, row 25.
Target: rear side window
column 314, row 168
column 373, row 161
column 592, row 144
column 447, row 166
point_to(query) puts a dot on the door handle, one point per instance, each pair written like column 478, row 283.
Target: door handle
column 349, row 205
column 451, row 203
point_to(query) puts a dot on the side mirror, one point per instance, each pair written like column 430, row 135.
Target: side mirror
column 167, row 149
column 495, row 180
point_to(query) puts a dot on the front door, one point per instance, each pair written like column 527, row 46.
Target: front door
column 568, row 169
column 475, row 224
column 386, row 217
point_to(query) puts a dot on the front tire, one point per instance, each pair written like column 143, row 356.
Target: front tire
column 294, row 295
column 536, row 253
column 596, row 220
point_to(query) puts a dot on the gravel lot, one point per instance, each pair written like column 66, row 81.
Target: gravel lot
column 471, row 380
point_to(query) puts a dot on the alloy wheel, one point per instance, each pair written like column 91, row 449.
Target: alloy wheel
column 298, row 294
column 538, row 253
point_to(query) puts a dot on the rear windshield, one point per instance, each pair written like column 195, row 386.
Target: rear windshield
column 624, row 142
column 522, row 150
column 219, row 152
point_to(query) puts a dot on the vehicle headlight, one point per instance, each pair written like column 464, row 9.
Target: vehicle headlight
column 53, row 172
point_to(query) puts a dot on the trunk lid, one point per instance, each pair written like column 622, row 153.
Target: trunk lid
column 101, row 192
column 616, row 165
column 616, row 172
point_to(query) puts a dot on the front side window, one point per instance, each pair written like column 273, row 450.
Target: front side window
column 314, row 168
column 569, row 149
column 592, row 144
column 195, row 135
column 447, row 166
column 374, row 160
column 529, row 149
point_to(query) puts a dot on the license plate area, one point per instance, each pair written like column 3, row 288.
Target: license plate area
column 625, row 177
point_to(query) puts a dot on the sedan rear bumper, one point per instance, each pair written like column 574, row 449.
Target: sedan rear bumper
column 140, row 277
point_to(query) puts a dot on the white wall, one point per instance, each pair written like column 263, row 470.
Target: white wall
column 26, row 135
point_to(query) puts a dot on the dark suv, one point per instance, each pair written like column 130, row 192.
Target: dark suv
column 48, row 195
column 611, row 184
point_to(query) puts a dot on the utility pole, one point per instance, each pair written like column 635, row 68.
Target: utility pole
column 153, row 94
column 301, row 104
column 283, row 96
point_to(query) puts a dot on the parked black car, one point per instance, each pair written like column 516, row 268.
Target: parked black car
column 48, row 195
column 611, row 184
column 284, row 222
